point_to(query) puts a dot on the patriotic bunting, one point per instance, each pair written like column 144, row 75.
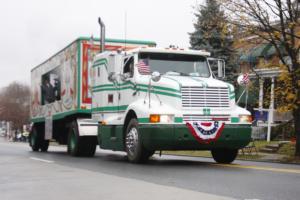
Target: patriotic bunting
column 206, row 132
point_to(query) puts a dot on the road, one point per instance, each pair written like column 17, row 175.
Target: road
column 55, row 175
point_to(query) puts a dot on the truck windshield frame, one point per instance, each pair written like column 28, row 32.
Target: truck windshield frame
column 175, row 64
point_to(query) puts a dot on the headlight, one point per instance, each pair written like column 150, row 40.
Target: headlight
column 155, row 118
column 245, row 118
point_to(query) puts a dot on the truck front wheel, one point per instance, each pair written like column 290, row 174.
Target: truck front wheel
column 224, row 156
column 136, row 153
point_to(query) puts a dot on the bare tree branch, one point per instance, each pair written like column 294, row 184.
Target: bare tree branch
column 278, row 23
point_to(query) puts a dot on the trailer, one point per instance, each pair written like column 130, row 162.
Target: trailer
column 61, row 96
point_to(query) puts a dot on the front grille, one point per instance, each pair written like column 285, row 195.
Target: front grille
column 195, row 117
column 206, row 97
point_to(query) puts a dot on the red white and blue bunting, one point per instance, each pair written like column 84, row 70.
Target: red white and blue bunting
column 206, row 132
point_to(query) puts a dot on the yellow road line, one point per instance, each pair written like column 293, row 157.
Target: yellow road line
column 294, row 171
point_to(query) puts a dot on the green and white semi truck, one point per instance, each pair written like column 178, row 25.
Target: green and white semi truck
column 146, row 99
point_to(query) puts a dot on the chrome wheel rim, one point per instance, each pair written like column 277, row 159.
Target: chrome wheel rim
column 132, row 140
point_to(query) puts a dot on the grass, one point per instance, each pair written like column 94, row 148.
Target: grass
column 258, row 144
column 249, row 156
column 207, row 154
column 189, row 153
column 289, row 151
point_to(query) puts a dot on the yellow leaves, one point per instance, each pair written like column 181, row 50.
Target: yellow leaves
column 284, row 109
column 285, row 77
column 225, row 30
column 290, row 97
column 277, row 34
column 262, row 64
column 291, row 24
column 285, row 94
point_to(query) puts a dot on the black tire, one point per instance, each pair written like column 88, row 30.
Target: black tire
column 224, row 156
column 34, row 141
column 37, row 141
column 89, row 146
column 44, row 145
column 147, row 154
column 80, row 145
column 136, row 153
column 73, row 140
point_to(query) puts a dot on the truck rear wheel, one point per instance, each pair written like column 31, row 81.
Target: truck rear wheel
column 225, row 156
column 74, row 140
column 80, row 145
column 44, row 145
column 89, row 146
column 136, row 153
column 37, row 141
column 34, row 141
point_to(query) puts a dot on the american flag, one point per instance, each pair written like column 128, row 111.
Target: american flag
column 143, row 67
column 246, row 79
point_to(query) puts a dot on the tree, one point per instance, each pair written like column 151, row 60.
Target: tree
column 14, row 104
column 213, row 34
column 278, row 23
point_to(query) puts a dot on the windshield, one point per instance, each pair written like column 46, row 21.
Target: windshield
column 176, row 64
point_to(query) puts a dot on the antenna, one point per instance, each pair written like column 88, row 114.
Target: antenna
column 125, row 29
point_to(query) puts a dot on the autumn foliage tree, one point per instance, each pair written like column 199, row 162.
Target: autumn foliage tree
column 276, row 22
column 14, row 104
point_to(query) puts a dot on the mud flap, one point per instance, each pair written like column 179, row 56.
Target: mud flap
column 87, row 127
column 48, row 128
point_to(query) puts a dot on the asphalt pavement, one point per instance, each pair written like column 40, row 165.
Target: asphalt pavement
column 35, row 175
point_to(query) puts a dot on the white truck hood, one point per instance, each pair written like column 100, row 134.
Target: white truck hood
column 195, row 81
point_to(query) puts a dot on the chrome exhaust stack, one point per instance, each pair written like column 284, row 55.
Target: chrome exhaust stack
column 102, row 35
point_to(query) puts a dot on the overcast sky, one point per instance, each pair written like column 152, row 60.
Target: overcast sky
column 33, row 30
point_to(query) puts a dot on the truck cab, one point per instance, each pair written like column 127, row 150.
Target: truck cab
column 150, row 99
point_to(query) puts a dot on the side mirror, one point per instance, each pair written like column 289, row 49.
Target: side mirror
column 217, row 67
column 112, row 77
column 155, row 76
column 221, row 68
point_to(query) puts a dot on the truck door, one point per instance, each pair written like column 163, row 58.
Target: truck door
column 106, row 91
column 126, row 83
